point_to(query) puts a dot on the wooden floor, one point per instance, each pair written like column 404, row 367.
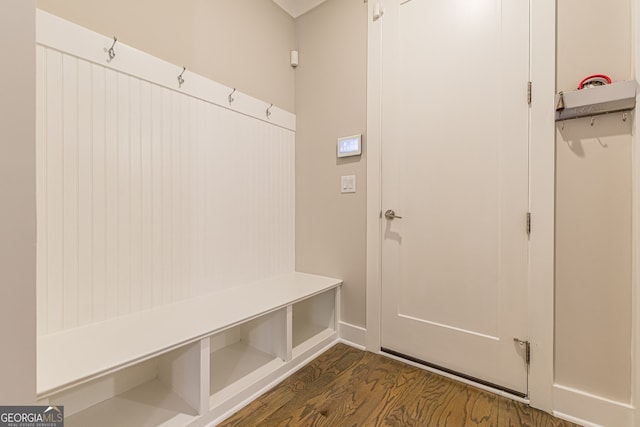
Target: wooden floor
column 348, row 387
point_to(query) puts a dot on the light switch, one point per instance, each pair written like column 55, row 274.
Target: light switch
column 348, row 184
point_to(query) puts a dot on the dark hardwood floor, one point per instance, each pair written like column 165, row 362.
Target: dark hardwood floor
column 347, row 387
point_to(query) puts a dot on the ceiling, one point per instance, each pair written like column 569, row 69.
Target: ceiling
column 296, row 8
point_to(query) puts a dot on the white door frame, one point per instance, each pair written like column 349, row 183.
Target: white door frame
column 542, row 176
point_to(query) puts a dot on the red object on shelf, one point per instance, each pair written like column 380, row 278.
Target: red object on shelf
column 594, row 78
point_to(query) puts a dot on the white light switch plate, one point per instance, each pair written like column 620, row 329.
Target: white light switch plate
column 348, row 184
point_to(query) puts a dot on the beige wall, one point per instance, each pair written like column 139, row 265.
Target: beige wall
column 331, row 102
column 593, row 208
column 17, row 198
column 239, row 43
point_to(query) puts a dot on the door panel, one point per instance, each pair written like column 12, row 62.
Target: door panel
column 455, row 167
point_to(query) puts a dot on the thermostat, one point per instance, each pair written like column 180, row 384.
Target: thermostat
column 350, row 146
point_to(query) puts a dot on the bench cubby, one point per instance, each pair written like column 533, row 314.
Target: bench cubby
column 159, row 391
column 313, row 321
column 247, row 353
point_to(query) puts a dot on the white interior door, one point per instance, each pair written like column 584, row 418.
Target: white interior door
column 455, row 168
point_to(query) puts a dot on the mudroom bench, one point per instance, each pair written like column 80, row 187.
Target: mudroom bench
column 191, row 362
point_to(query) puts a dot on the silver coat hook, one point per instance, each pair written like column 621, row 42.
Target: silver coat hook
column 560, row 105
column 111, row 52
column 180, row 79
column 231, row 98
column 592, row 120
column 269, row 111
column 625, row 115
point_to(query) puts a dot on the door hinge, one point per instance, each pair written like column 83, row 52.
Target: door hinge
column 527, row 349
column 529, row 223
column 529, row 89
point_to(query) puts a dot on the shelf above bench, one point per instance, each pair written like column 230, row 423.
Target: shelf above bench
column 75, row 356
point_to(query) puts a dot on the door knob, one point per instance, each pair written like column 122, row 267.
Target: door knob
column 390, row 214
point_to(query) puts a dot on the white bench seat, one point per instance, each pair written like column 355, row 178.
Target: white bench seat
column 72, row 357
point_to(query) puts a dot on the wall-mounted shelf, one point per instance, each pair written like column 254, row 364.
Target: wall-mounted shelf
column 589, row 102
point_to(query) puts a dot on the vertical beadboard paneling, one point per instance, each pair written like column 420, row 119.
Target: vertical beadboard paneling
column 41, row 189
column 287, row 138
column 261, row 185
column 147, row 195
column 55, row 210
column 124, row 196
column 157, row 108
column 112, row 179
column 70, row 190
column 166, row 230
column 175, row 284
column 135, row 155
column 200, row 182
column 215, row 184
column 146, row 192
column 185, row 196
column 290, row 208
column 85, row 187
column 238, row 194
column 99, row 193
column 270, row 177
column 189, row 173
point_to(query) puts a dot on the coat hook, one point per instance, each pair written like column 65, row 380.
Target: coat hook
column 562, row 125
column 110, row 51
column 625, row 115
column 231, row 98
column 269, row 111
column 180, row 79
column 592, row 120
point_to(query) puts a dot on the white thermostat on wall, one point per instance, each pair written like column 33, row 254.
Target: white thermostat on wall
column 350, row 146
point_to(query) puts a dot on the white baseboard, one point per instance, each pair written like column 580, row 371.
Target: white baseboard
column 352, row 335
column 574, row 420
column 590, row 410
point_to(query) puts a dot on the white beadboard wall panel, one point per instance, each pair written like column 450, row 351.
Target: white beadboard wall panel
column 165, row 197
column 41, row 189
column 85, row 187
column 123, row 197
column 111, row 180
column 98, row 303
column 70, row 189
column 148, row 195
column 54, row 214
column 136, row 196
column 156, row 196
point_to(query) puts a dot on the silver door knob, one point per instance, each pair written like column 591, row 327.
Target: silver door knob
column 390, row 214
